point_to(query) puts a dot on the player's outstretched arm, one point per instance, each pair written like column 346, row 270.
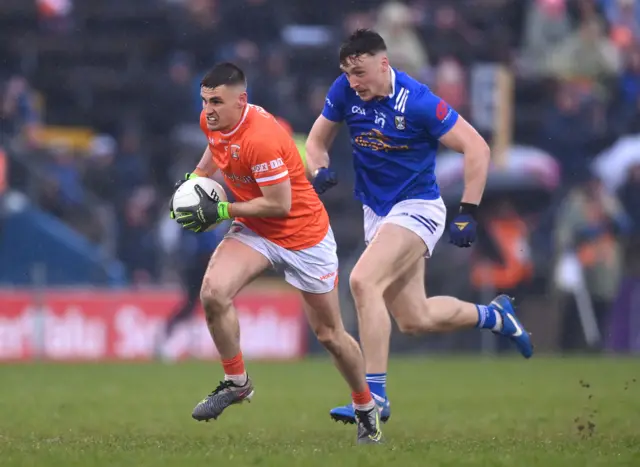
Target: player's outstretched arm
column 463, row 138
column 321, row 137
column 274, row 202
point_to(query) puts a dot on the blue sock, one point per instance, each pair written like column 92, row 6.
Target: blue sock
column 378, row 384
column 488, row 318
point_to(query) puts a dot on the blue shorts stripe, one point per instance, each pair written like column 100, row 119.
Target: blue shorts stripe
column 428, row 227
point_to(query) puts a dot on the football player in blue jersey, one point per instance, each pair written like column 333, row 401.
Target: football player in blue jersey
column 396, row 124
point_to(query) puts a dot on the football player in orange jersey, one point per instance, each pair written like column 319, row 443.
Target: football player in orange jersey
column 278, row 220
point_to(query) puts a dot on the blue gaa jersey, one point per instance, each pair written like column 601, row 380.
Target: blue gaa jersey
column 394, row 139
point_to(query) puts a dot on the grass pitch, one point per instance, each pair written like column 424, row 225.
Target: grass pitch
column 446, row 412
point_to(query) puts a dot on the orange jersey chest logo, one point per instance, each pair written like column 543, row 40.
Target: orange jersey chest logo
column 228, row 158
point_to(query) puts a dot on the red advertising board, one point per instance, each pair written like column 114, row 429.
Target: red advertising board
column 124, row 325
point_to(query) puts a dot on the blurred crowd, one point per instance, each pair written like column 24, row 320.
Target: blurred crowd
column 130, row 71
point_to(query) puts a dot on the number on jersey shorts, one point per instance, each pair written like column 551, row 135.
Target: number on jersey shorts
column 425, row 218
column 313, row 269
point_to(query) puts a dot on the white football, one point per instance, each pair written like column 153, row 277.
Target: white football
column 186, row 195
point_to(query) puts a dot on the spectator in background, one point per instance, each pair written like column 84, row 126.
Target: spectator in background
column 581, row 11
column 625, row 115
column 395, row 24
column 586, row 55
column 63, row 194
column 625, row 27
column 18, row 112
column 450, row 83
column 63, row 173
column 568, row 129
column 629, row 194
column 56, row 15
column 183, row 102
column 197, row 27
column 449, row 34
column 99, row 169
column 362, row 19
column 590, row 222
column 277, row 86
column 131, row 168
column 115, row 171
column 136, row 240
column 547, row 26
column 258, row 21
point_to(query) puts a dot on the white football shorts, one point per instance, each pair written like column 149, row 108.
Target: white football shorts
column 425, row 218
column 313, row 270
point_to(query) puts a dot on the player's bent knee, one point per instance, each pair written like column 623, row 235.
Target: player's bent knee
column 359, row 284
column 214, row 297
column 328, row 336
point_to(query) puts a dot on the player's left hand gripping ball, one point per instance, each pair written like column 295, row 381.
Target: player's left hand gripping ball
column 462, row 231
column 324, row 179
column 203, row 215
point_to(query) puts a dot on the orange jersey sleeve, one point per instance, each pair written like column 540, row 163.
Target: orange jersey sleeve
column 267, row 162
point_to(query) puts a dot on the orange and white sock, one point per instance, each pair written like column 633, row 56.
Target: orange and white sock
column 363, row 400
column 234, row 370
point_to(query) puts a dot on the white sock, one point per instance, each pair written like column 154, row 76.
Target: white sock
column 498, row 326
column 365, row 407
column 238, row 380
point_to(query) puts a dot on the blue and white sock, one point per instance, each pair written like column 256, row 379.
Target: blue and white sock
column 488, row 318
column 378, row 385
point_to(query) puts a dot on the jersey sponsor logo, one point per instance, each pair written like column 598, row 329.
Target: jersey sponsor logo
column 358, row 110
column 442, row 111
column 274, row 164
column 401, row 123
column 238, row 178
column 401, row 100
column 375, row 140
column 235, row 152
column 258, row 168
column 380, row 118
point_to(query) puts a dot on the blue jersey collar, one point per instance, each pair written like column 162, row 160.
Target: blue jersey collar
column 392, row 72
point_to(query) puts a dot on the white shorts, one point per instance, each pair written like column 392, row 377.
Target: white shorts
column 313, row 269
column 425, row 218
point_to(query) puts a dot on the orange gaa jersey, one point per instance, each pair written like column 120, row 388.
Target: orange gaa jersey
column 258, row 152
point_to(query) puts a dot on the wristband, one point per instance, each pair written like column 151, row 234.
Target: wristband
column 468, row 208
column 198, row 172
column 223, row 211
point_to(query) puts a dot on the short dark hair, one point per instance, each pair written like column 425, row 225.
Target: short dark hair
column 362, row 42
column 223, row 74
